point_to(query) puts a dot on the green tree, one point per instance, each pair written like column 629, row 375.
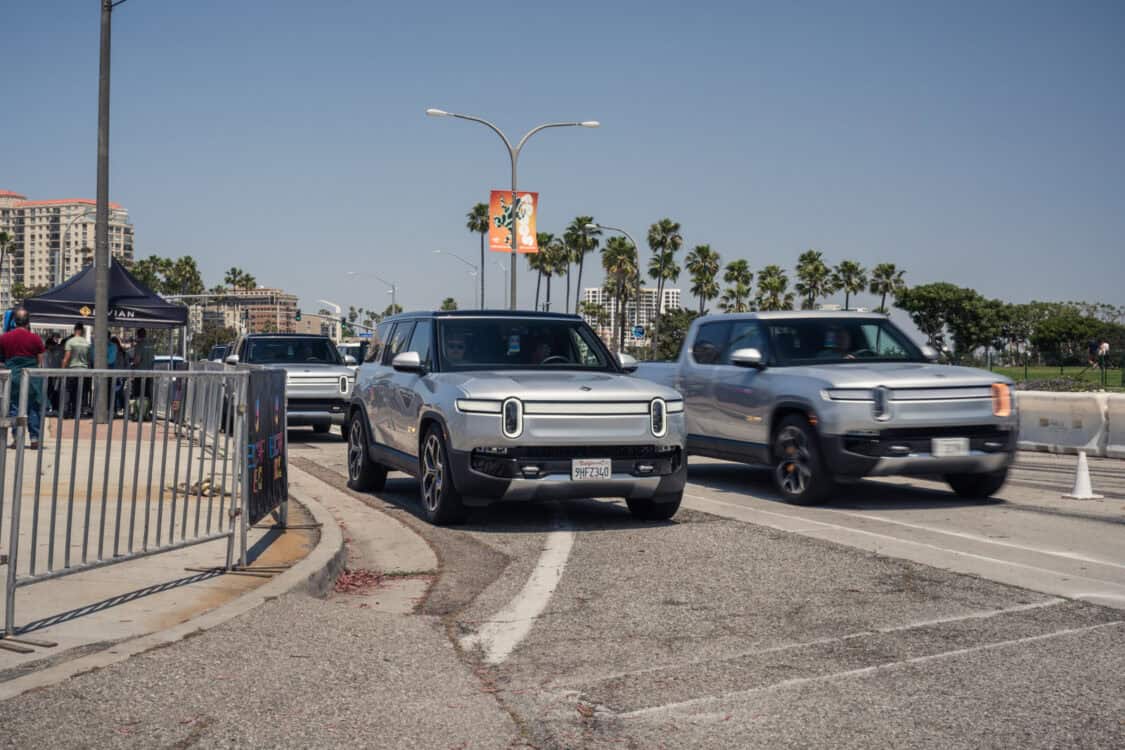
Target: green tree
column 552, row 259
column 703, row 264
column 236, row 278
column 580, row 242
column 814, row 278
column 886, row 279
column 671, row 331
column 851, row 277
column 535, row 263
column 392, row 310
column 477, row 223
column 212, row 334
column 596, row 312
column 183, row 277
column 1064, row 336
column 737, row 296
column 449, row 304
column 21, row 292
column 619, row 259
column 665, row 240
column 151, row 271
column 970, row 320
column 773, row 289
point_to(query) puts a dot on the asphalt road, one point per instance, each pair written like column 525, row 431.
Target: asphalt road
column 755, row 623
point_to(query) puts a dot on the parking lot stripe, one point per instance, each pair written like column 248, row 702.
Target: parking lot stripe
column 499, row 635
column 748, row 512
column 847, row 674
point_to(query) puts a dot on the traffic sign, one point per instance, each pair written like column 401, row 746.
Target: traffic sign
column 638, row 332
column 364, row 334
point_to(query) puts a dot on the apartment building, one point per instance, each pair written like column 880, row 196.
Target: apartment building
column 266, row 310
column 54, row 239
column 643, row 315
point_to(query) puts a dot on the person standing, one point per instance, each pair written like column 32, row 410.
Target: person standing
column 21, row 350
column 53, row 361
column 77, row 357
column 143, row 358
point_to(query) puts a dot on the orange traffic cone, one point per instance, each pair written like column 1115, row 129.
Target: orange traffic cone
column 1082, row 489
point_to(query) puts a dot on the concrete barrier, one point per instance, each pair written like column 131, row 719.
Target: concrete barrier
column 1063, row 422
column 1115, row 416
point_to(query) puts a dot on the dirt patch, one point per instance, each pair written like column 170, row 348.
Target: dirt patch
column 358, row 581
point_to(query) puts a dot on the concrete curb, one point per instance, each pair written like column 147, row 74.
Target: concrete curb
column 314, row 575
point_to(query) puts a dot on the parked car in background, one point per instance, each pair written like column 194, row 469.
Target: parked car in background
column 218, row 352
column 318, row 382
column 168, row 362
column 827, row 396
column 486, row 406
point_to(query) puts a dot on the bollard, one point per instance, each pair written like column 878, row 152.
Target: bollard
column 1082, row 489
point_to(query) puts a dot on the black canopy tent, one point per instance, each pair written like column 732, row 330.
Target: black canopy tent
column 131, row 303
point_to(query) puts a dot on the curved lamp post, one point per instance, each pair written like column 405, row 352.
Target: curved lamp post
column 474, row 272
column 637, row 297
column 514, row 155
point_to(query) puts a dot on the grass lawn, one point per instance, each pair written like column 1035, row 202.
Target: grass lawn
column 1091, row 375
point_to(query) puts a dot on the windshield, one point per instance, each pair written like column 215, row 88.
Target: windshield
column 838, row 340
column 521, row 343
column 290, row 350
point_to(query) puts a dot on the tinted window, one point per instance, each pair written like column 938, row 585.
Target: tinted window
column 398, row 341
column 420, row 341
column 269, row 351
column 378, row 338
column 710, row 341
column 830, row 340
column 510, row 343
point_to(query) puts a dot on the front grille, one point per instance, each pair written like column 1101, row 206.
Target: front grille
column 582, row 451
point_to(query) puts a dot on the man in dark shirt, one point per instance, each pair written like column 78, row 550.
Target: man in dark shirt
column 22, row 349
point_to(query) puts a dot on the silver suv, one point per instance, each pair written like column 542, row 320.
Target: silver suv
column 484, row 406
column 318, row 380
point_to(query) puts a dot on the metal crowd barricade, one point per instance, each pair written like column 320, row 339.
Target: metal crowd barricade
column 166, row 471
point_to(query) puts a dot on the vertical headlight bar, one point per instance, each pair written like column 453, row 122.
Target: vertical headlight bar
column 658, row 416
column 512, row 417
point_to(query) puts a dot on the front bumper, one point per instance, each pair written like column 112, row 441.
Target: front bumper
column 483, row 479
column 890, row 452
column 305, row 412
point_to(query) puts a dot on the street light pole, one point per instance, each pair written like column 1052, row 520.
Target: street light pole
column 514, row 156
column 637, row 300
column 393, row 288
column 476, row 271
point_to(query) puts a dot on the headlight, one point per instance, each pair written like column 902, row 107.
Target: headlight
column 478, row 406
column 512, row 411
column 1001, row 400
column 675, row 407
column 658, row 415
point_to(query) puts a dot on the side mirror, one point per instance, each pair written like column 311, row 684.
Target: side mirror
column 232, row 359
column 931, row 354
column 748, row 358
column 407, row 362
column 349, row 360
column 628, row 362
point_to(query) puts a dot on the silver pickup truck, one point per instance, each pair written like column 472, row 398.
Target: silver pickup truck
column 318, row 379
column 484, row 406
column 826, row 396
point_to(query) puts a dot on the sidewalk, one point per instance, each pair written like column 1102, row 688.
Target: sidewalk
column 297, row 671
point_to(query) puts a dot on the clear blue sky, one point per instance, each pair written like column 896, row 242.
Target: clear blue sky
column 977, row 143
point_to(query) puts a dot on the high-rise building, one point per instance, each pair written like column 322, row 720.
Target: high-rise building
column 606, row 327
column 54, row 239
column 267, row 310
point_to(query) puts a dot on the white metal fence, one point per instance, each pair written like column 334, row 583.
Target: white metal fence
column 167, row 470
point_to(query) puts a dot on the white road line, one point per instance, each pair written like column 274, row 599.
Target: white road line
column 1052, row 602
column 982, row 539
column 500, row 635
column 643, row 712
column 897, row 540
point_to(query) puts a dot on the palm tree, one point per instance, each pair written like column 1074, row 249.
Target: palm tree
column 553, row 259
column 477, row 222
column 703, row 264
column 665, row 240
column 581, row 241
column 449, row 304
column 814, row 278
column 851, row 277
column 535, row 263
column 886, row 279
column 773, row 289
column 619, row 259
column 595, row 311
column 737, row 297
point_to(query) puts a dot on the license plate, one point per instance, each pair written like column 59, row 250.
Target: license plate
column 945, row 447
column 583, row 469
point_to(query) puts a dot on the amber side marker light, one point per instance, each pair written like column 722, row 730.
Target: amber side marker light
column 1001, row 400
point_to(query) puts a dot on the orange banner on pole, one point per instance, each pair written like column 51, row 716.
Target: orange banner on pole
column 500, row 215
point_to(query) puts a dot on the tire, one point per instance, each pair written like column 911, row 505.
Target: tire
column 650, row 510
column 321, row 429
column 441, row 503
column 977, row 485
column 364, row 475
column 799, row 473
